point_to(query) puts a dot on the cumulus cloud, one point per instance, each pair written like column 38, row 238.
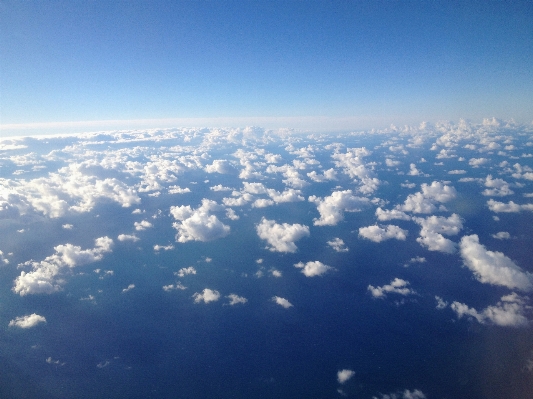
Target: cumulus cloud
column 338, row 245
column 331, row 208
column 386, row 215
column 377, row 234
column 206, row 296
column 143, row 225
column 510, row 207
column 281, row 237
column 496, row 187
column 129, row 288
column 433, row 228
column 220, row 166
column 282, row 302
column 44, row 277
column 3, row 260
column 397, row 286
column 128, row 237
column 510, row 311
column 312, row 269
column 476, row 162
column 198, row 224
column 344, row 375
column 235, row 299
column 158, row 247
column 424, row 201
column 493, row 267
column 502, row 235
column 407, row 394
column 178, row 190
column 27, row 321
column 330, row 174
column 185, row 271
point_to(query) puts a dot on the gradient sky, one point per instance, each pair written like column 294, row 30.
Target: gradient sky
column 343, row 64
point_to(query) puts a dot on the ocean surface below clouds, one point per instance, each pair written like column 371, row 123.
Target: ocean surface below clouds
column 247, row 263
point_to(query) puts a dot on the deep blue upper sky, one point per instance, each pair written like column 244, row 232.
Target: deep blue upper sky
column 364, row 63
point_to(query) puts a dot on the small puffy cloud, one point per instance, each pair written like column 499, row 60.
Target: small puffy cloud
column 433, row 228
column 330, row 174
column 391, row 163
column 331, row 208
column 143, row 225
column 312, row 269
column 502, row 235
column 177, row 286
column 377, row 234
column 413, row 171
column 281, row 237
column 344, row 375
column 3, row 260
column 496, row 187
column 397, row 286
column 178, row 190
column 158, row 247
column 386, row 215
column 441, row 304
column 282, row 302
column 128, row 237
column 476, row 162
column 510, row 207
column 338, row 245
column 68, row 226
column 424, row 201
column 198, row 224
column 184, row 271
column 27, row 321
column 44, row 277
column 407, row 394
column 234, row 299
column 220, row 166
column 493, row 267
column 457, row 172
column 220, row 187
column 129, row 288
column 206, row 296
column 510, row 311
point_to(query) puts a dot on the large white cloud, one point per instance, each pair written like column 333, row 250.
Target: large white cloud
column 510, row 311
column 312, row 269
column 332, row 208
column 27, row 321
column 377, row 233
column 493, row 267
column 44, row 277
column 424, row 201
column 198, row 224
column 496, row 187
column 281, row 237
column 352, row 163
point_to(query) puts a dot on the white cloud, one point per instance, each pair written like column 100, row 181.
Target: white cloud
column 206, row 296
column 496, row 187
column 502, row 235
column 397, row 286
column 129, row 288
column 27, row 321
column 276, row 273
column 476, row 162
column 433, row 228
column 3, row 260
column 234, row 299
column 493, row 267
column 178, row 190
column 413, row 171
column 185, row 271
column 508, row 312
column 424, row 201
column 143, row 225
column 177, row 286
column 281, row 237
column 353, row 165
column 312, row 269
column 331, row 208
column 282, row 302
column 68, row 226
column 344, row 375
column 198, row 224
column 44, row 276
column 407, row 394
column 220, row 166
column 510, row 207
column 338, row 245
column 158, row 247
column 441, row 304
column 128, row 237
column 377, row 234
column 220, row 187
column 330, row 174
column 386, row 215
column 457, row 172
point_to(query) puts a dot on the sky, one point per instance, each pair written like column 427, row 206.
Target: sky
column 312, row 65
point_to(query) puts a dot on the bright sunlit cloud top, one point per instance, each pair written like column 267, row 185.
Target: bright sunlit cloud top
column 351, row 64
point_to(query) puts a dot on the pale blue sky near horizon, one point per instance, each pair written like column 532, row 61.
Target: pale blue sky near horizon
column 296, row 64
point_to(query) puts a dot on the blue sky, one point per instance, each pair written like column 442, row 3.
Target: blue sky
column 352, row 65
